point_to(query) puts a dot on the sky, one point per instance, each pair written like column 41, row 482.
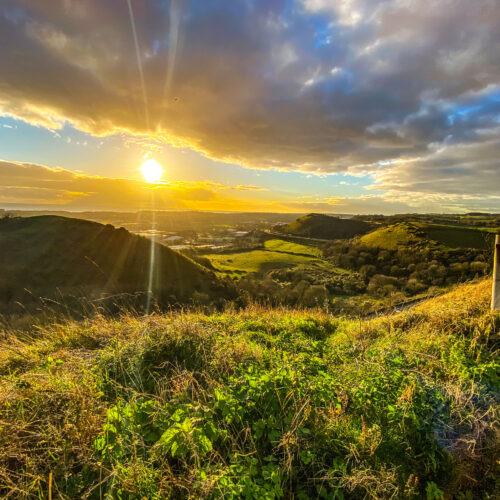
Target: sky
column 346, row 106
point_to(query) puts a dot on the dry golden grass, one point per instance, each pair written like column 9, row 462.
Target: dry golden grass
column 57, row 383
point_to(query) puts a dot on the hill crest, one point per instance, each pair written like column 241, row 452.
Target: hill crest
column 404, row 234
column 326, row 227
column 50, row 255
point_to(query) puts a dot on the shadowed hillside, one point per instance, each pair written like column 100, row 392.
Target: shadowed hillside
column 326, row 227
column 263, row 403
column 53, row 256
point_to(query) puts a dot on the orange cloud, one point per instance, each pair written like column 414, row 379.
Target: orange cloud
column 31, row 184
column 27, row 183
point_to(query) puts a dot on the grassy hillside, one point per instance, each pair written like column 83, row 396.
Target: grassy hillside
column 48, row 255
column 326, row 227
column 414, row 233
column 255, row 261
column 258, row 404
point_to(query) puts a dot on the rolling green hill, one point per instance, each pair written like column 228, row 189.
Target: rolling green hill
column 326, row 227
column 262, row 403
column 52, row 255
column 422, row 234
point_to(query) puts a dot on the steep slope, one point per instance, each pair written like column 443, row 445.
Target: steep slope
column 262, row 403
column 326, row 227
column 422, row 234
column 45, row 253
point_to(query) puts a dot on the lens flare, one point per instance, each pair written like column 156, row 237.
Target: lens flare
column 151, row 171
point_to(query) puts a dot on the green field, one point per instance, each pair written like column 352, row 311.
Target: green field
column 255, row 261
column 277, row 254
column 289, row 247
column 458, row 237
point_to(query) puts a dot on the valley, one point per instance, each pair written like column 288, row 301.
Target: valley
column 362, row 267
column 272, row 365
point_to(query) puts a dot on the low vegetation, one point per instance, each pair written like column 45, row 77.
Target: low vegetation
column 400, row 262
column 258, row 404
column 255, row 261
column 292, row 247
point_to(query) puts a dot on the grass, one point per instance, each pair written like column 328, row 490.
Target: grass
column 412, row 233
column 263, row 403
column 456, row 237
column 392, row 237
column 255, row 261
column 277, row 254
column 293, row 248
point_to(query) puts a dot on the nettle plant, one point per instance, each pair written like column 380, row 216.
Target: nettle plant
column 289, row 423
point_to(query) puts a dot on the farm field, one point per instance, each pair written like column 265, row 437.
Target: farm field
column 459, row 237
column 277, row 254
column 293, row 248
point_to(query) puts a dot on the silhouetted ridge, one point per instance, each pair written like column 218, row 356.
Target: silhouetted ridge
column 326, row 227
column 51, row 254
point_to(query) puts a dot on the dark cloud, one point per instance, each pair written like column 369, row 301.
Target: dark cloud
column 403, row 89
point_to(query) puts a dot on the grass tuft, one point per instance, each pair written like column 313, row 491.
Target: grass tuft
column 261, row 403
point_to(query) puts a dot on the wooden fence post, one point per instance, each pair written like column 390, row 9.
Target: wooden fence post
column 495, row 291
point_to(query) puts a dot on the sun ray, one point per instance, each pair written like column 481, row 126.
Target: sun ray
column 139, row 62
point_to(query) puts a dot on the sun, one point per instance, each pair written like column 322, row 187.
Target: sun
column 151, row 171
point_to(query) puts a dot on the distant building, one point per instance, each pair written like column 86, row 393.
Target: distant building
column 173, row 239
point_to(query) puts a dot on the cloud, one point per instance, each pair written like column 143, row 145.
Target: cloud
column 44, row 187
column 27, row 183
column 405, row 93
column 243, row 187
column 57, row 188
column 452, row 176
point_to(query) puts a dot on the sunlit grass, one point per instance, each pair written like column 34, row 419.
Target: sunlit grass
column 290, row 247
column 277, row 254
column 256, row 261
column 273, row 401
column 416, row 233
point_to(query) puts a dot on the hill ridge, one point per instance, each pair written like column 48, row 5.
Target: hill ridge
column 412, row 233
column 325, row 227
column 48, row 253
